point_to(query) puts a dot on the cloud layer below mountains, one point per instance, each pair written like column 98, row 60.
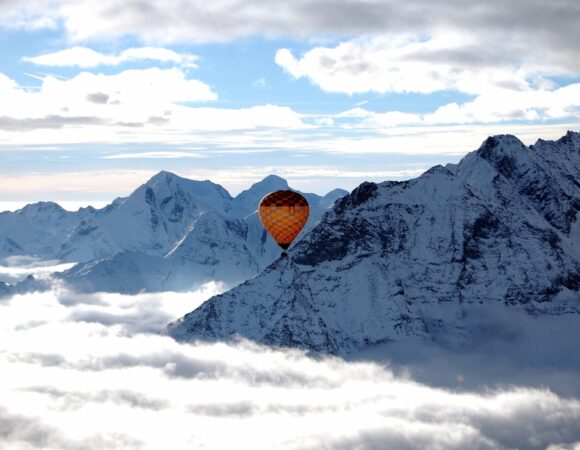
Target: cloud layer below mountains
column 92, row 372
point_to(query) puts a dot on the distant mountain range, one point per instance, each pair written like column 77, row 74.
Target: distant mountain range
column 170, row 234
column 418, row 258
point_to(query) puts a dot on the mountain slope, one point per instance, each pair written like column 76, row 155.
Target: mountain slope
column 415, row 258
column 126, row 273
column 216, row 249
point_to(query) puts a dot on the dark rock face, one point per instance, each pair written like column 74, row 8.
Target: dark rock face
column 537, row 180
column 412, row 258
column 360, row 195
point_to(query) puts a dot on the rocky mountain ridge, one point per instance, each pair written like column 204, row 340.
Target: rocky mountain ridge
column 417, row 258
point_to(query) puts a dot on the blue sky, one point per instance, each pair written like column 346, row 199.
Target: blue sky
column 96, row 97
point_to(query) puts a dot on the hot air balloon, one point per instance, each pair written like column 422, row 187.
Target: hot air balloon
column 284, row 214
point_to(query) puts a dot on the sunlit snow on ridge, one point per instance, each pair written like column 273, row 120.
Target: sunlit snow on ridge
column 91, row 372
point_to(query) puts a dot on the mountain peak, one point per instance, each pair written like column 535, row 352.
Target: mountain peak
column 169, row 182
column 42, row 208
column 338, row 192
column 571, row 138
column 164, row 177
column 274, row 181
column 247, row 201
column 363, row 193
column 438, row 169
column 499, row 143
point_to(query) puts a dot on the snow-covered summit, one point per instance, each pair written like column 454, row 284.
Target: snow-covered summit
column 247, row 201
column 165, row 185
column 41, row 210
column 36, row 229
column 151, row 220
column 415, row 258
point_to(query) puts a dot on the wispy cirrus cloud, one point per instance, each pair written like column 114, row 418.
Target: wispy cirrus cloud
column 237, row 159
column 154, row 155
column 89, row 184
column 85, row 57
column 493, row 106
column 109, row 184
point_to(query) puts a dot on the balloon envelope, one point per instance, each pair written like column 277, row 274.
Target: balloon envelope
column 284, row 214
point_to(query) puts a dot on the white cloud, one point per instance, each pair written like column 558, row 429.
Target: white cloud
column 88, row 371
column 134, row 106
column 501, row 104
column 419, row 64
column 492, row 106
column 307, row 178
column 504, row 89
column 139, row 96
column 109, row 184
column 451, row 140
column 258, row 116
column 496, row 52
column 149, row 105
column 70, row 185
column 259, row 83
column 16, row 268
column 355, row 113
column 552, row 25
column 286, row 154
column 323, row 121
column 391, row 119
column 86, row 57
column 301, row 172
column 154, row 155
column 29, row 15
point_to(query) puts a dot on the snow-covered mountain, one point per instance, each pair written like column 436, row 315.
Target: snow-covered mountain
column 210, row 237
column 419, row 258
column 28, row 284
column 38, row 229
column 151, row 220
column 170, row 234
column 246, row 202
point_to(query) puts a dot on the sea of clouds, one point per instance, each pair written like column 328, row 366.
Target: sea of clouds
column 16, row 268
column 94, row 372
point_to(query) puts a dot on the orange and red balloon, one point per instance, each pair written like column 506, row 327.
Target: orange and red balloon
column 284, row 214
